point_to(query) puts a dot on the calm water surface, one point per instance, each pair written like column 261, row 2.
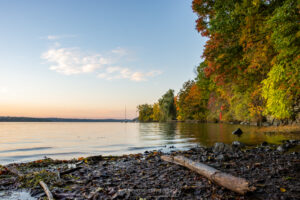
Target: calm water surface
column 21, row 142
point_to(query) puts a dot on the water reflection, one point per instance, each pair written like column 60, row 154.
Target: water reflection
column 21, row 142
column 208, row 134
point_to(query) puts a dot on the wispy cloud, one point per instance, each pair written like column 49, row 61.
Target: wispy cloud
column 125, row 73
column 58, row 37
column 71, row 61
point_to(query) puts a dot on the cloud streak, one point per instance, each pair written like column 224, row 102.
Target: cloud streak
column 57, row 37
column 125, row 73
column 70, row 61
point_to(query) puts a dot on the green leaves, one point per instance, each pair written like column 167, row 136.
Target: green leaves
column 252, row 56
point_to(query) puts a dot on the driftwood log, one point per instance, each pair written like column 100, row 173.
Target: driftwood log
column 236, row 184
column 47, row 191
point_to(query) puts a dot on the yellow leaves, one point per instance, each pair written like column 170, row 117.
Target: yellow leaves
column 83, row 159
column 282, row 189
column 255, row 2
column 221, row 56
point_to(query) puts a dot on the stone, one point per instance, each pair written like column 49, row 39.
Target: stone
column 237, row 132
column 264, row 144
column 265, row 124
column 121, row 194
column 276, row 122
column 237, row 144
column 220, row 157
column 221, row 147
column 253, row 124
column 280, row 148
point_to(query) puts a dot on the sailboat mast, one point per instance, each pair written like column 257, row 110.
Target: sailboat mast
column 125, row 113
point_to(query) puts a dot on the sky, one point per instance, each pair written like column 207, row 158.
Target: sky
column 90, row 59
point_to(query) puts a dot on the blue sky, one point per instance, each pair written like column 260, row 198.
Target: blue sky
column 64, row 58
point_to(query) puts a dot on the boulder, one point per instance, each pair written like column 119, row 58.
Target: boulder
column 237, row 132
column 220, row 147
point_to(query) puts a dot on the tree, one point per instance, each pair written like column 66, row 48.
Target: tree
column 156, row 112
column 252, row 56
column 167, row 106
column 282, row 87
column 145, row 113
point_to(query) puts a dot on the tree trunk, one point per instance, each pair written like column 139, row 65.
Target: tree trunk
column 236, row 184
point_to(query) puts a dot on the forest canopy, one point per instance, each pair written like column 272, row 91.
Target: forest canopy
column 250, row 68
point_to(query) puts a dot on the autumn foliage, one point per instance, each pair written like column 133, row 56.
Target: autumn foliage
column 251, row 63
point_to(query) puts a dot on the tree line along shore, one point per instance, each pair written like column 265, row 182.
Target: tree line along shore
column 250, row 69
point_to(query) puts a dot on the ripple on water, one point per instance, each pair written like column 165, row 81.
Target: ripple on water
column 26, row 149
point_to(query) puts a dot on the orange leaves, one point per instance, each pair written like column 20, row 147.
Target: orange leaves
column 3, row 170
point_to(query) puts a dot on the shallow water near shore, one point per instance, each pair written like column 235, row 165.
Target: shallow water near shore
column 22, row 142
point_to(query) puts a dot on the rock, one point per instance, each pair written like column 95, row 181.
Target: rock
column 203, row 158
column 237, row 132
column 287, row 146
column 94, row 159
column 121, row 194
column 276, row 122
column 264, row 144
column 253, row 123
column 280, row 149
column 265, row 124
column 237, row 144
column 220, row 157
column 220, row 147
column 292, row 141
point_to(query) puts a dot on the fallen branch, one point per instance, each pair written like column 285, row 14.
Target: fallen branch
column 236, row 184
column 47, row 191
column 70, row 170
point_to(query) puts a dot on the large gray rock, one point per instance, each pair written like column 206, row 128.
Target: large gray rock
column 220, row 147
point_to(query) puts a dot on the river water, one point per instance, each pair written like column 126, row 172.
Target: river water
column 21, row 142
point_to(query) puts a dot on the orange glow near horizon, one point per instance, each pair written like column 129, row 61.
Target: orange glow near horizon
column 64, row 112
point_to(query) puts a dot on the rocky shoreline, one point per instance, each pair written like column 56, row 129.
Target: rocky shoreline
column 274, row 171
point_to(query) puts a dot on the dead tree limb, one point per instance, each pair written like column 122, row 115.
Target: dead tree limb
column 236, row 184
column 70, row 170
column 47, row 191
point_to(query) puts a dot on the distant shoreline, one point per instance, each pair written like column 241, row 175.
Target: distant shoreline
column 33, row 119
